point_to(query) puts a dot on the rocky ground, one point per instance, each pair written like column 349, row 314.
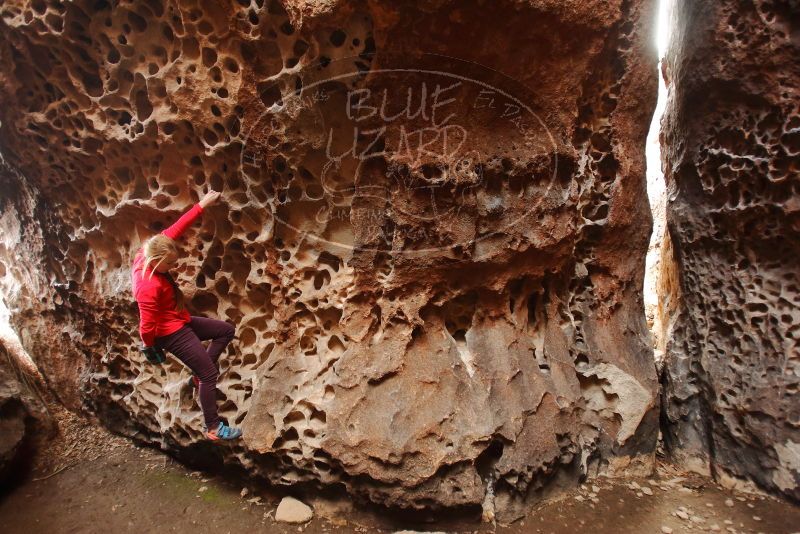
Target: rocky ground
column 87, row 480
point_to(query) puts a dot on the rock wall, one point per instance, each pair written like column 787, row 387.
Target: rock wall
column 12, row 418
column 22, row 415
column 731, row 141
column 431, row 238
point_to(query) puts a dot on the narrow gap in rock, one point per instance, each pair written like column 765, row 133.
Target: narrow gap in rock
column 656, row 189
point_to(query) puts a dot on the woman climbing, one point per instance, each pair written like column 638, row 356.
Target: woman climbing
column 164, row 322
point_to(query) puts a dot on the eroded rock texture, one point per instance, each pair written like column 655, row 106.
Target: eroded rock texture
column 12, row 417
column 22, row 415
column 429, row 303
column 731, row 141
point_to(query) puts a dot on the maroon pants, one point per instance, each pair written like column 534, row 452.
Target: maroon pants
column 185, row 345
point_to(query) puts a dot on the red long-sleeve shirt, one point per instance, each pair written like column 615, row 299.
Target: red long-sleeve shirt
column 157, row 314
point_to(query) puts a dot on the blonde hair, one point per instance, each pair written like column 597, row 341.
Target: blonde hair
column 157, row 249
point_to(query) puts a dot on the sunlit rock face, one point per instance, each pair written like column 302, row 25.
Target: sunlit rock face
column 431, row 236
column 731, row 141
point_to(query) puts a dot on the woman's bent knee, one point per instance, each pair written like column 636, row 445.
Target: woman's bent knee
column 230, row 331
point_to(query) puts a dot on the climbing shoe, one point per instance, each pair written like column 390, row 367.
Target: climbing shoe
column 193, row 382
column 224, row 432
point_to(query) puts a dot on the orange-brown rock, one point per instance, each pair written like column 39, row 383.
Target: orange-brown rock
column 431, row 239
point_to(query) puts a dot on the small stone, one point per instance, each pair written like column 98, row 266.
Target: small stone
column 646, row 490
column 595, row 489
column 756, row 518
column 290, row 510
column 697, row 519
column 750, row 505
column 729, row 502
column 728, row 522
column 639, row 494
column 202, row 489
column 666, row 530
column 579, row 498
column 244, row 492
column 681, row 514
column 714, row 527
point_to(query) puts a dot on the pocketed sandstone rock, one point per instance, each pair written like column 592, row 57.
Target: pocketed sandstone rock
column 414, row 324
column 730, row 139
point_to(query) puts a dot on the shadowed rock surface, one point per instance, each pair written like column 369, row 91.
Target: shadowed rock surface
column 13, row 413
column 427, row 326
column 731, row 145
column 22, row 415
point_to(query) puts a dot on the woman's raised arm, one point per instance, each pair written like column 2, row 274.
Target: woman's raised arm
column 187, row 219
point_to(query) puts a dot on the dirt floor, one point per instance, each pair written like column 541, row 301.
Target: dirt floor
column 105, row 483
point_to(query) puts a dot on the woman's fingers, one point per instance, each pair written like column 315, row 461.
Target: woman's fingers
column 209, row 198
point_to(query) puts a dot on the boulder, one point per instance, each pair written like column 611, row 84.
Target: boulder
column 22, row 415
column 431, row 236
column 730, row 141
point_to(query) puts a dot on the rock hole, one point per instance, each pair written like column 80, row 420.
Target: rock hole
column 337, row 38
column 270, row 94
